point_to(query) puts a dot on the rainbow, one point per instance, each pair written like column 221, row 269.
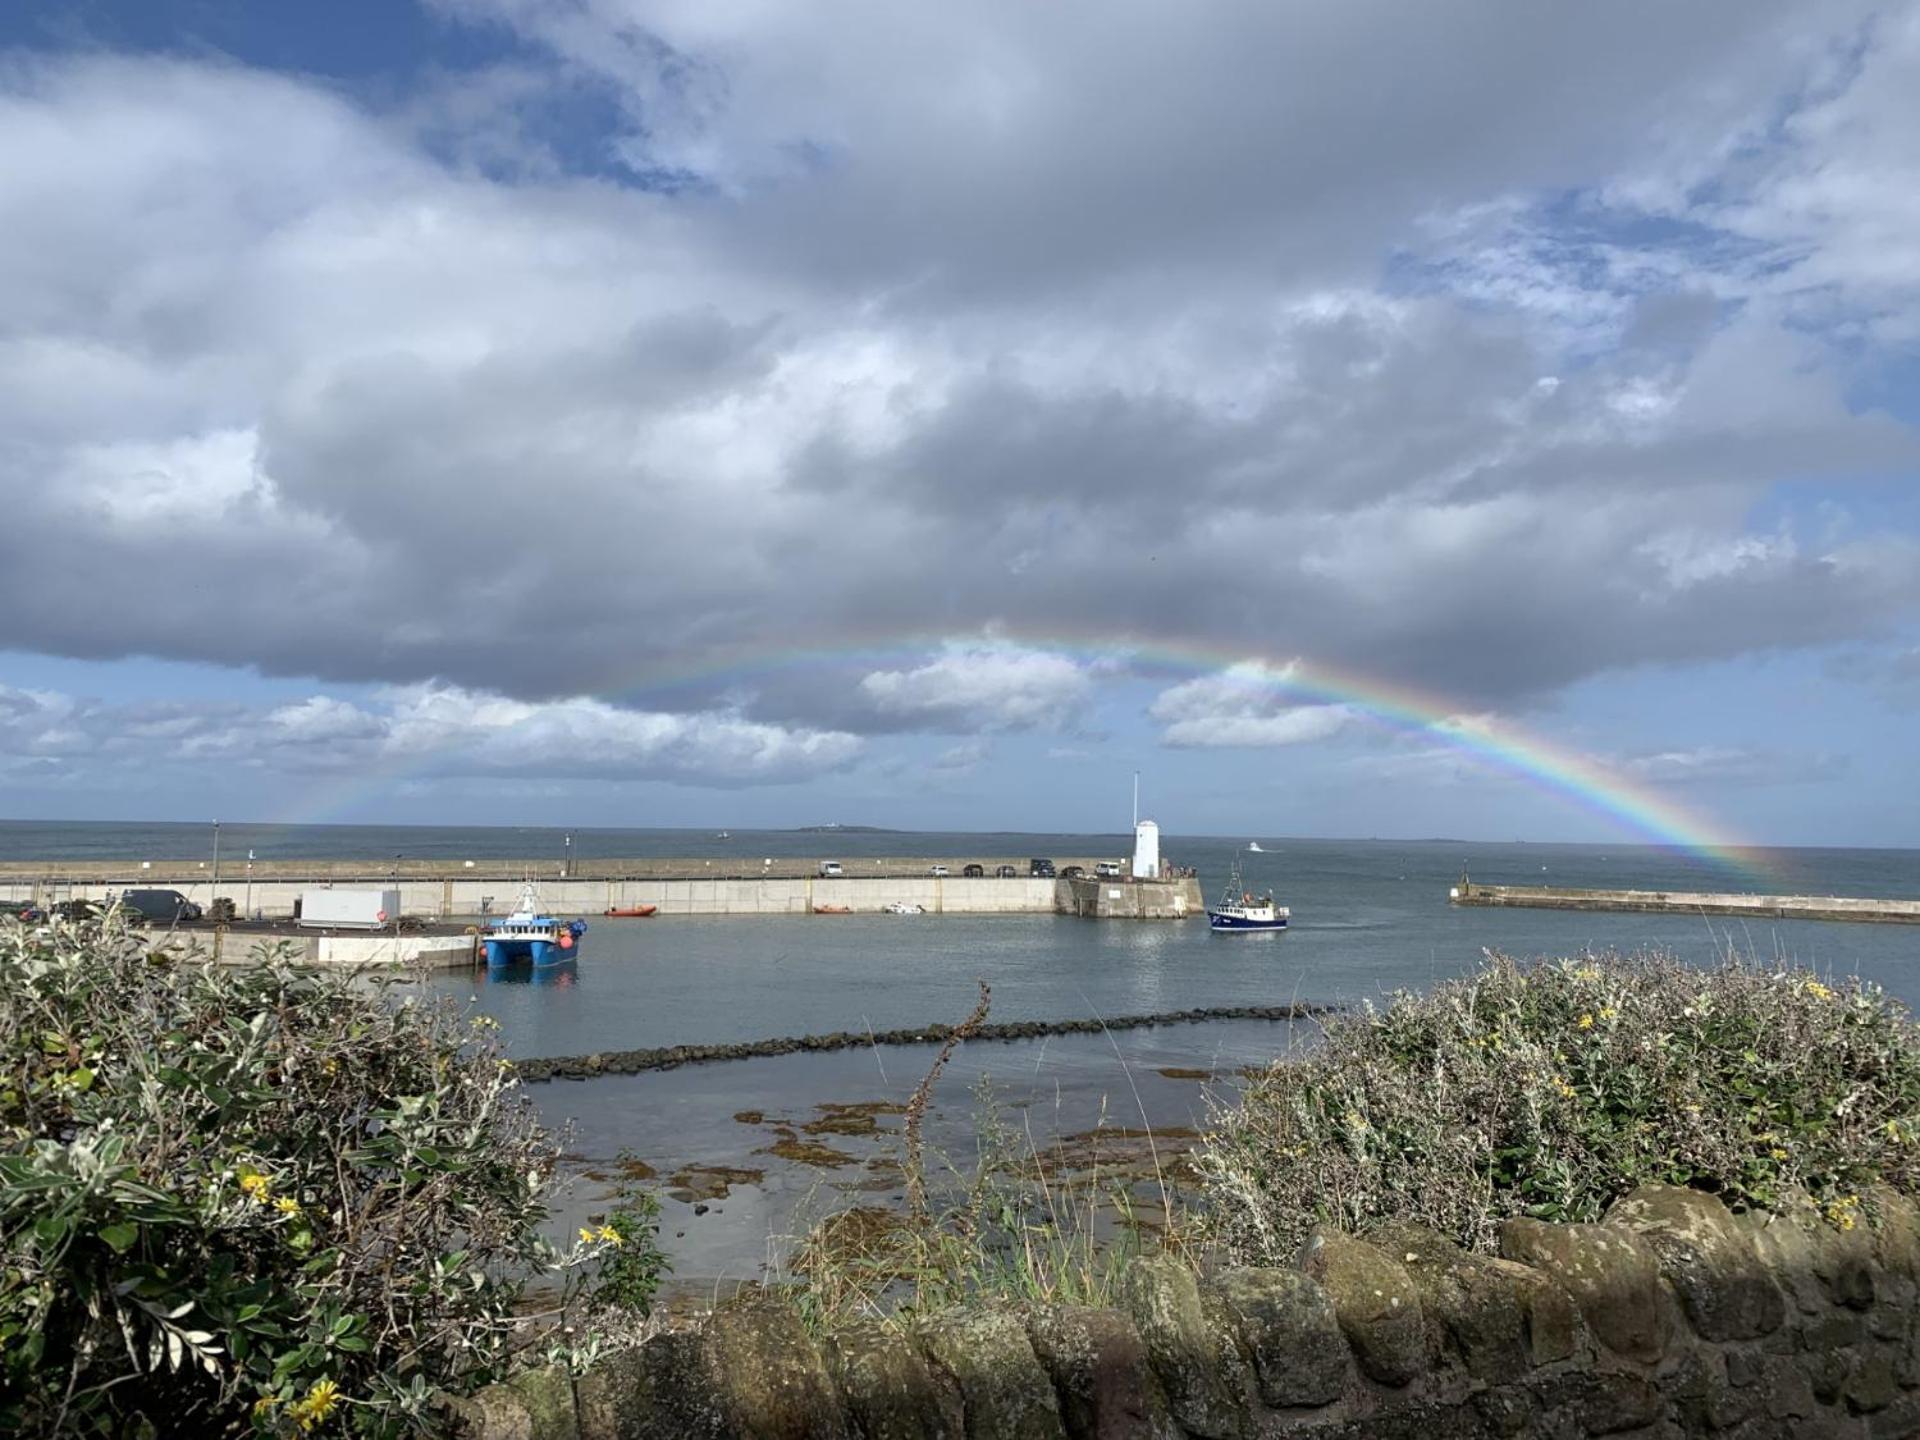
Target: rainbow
column 1636, row 808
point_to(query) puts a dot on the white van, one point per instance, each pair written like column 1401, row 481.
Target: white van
column 1107, row 869
column 829, row 867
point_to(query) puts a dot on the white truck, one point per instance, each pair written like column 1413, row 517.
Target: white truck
column 350, row 909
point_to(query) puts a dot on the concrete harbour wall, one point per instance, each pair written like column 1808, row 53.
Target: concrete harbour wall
column 1673, row 1318
column 459, row 897
column 1682, row 902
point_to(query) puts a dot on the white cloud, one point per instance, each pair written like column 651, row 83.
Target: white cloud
column 1246, row 706
column 983, row 686
column 427, row 730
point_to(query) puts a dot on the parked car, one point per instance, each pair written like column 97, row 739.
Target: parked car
column 79, row 910
column 830, row 867
column 159, row 907
column 22, row 910
column 973, row 872
column 938, row 870
column 1107, row 869
column 1074, row 872
column 1041, row 869
column 1007, row 872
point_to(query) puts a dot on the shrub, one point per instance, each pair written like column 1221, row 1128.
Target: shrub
column 239, row 1198
column 1548, row 1090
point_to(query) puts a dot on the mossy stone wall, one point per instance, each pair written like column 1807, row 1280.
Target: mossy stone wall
column 1671, row 1318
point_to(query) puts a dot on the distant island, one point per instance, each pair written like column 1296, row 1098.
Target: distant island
column 844, row 830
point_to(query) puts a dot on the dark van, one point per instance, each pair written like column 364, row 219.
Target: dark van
column 159, row 907
column 1040, row 869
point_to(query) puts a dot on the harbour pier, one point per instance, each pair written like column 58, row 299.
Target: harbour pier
column 459, row 891
column 1688, row 902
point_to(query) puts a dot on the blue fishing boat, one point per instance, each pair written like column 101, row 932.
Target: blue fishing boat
column 531, row 934
column 1241, row 912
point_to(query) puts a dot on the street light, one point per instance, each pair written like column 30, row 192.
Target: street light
column 247, row 911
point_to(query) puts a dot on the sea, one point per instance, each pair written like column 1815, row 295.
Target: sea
column 1370, row 917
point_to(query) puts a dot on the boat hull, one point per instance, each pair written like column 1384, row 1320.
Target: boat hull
column 632, row 912
column 1242, row 925
column 501, row 953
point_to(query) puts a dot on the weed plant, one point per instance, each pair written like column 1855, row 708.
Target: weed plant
column 1550, row 1089
column 250, row 1199
column 1006, row 1225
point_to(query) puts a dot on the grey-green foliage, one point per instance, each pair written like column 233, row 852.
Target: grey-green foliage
column 252, row 1198
column 1550, row 1089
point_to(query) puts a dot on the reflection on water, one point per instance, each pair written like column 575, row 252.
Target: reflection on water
column 563, row 975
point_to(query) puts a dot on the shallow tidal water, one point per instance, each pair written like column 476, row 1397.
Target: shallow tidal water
column 1368, row 919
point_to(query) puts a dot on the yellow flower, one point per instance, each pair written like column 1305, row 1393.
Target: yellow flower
column 586, row 1236
column 1586, row 1022
column 1819, row 991
column 1777, row 1153
column 1607, row 1012
column 287, row 1205
column 1560, row 1084
column 255, row 1185
column 264, row 1404
column 610, row 1235
column 1587, row 972
column 317, row 1404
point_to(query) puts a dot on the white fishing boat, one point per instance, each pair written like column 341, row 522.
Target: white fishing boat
column 1240, row 911
column 901, row 907
column 1254, row 847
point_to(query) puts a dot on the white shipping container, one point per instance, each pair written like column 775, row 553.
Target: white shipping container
column 350, row 909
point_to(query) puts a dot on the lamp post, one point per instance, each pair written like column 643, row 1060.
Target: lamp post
column 247, row 912
column 215, row 892
column 566, row 865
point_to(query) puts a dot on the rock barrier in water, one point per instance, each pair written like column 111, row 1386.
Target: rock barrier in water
column 669, row 1057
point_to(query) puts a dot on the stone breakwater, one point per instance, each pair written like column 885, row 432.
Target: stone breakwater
column 1844, row 908
column 1671, row 1318
column 632, row 1062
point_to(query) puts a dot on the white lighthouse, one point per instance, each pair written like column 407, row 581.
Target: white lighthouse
column 1146, row 850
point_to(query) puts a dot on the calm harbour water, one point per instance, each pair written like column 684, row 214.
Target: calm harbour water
column 1369, row 917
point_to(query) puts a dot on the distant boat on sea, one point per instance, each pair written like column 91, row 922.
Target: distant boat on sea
column 1254, row 846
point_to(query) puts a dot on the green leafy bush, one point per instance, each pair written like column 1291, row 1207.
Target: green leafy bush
column 251, row 1198
column 1549, row 1090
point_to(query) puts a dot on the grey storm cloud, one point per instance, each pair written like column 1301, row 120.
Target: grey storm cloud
column 981, row 319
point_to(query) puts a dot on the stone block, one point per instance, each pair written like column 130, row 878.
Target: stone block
column 548, row 1395
column 675, row 1393
column 1725, row 1289
column 1600, row 1404
column 1376, row 1301
column 1611, row 1274
column 1784, row 1243
column 1870, row 1384
column 492, row 1413
column 1193, row 1349
column 1485, row 1307
column 889, row 1389
column 1101, row 1374
column 1896, row 1231
column 1004, row 1392
column 1288, row 1325
column 771, row 1379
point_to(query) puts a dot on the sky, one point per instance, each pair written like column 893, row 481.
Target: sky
column 740, row 413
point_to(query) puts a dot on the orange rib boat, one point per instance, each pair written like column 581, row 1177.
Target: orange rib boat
column 631, row 912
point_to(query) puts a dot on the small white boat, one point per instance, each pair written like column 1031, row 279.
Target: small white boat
column 901, row 907
column 1254, row 846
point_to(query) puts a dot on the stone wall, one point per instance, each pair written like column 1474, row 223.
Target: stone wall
column 1673, row 1318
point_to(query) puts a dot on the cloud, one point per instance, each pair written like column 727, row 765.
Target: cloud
column 1725, row 764
column 422, row 731
column 1246, row 706
column 984, row 686
column 1391, row 339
